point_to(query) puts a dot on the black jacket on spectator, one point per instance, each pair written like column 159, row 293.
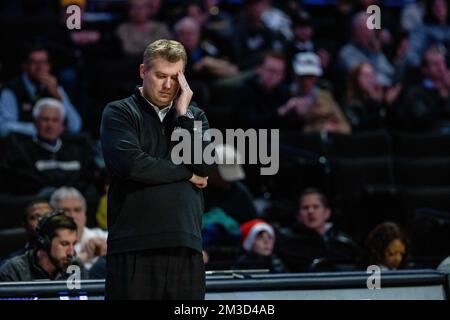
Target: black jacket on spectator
column 299, row 246
column 29, row 165
column 424, row 109
column 26, row 268
column 366, row 115
column 257, row 108
column 250, row 43
column 151, row 203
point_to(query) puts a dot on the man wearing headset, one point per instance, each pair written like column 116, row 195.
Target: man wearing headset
column 53, row 253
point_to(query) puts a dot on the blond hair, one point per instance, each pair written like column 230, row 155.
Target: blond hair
column 170, row 50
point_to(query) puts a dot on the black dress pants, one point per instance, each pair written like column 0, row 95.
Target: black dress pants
column 166, row 273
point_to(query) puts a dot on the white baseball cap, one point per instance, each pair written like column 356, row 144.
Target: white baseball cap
column 228, row 162
column 307, row 64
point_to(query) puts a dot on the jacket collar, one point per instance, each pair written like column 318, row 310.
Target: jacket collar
column 148, row 106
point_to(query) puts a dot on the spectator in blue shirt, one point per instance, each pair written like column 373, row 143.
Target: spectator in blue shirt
column 20, row 95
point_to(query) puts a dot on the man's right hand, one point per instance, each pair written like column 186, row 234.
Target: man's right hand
column 199, row 182
column 51, row 83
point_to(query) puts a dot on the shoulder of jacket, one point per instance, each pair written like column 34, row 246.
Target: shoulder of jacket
column 127, row 106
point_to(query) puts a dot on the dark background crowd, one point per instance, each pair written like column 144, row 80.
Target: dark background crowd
column 364, row 119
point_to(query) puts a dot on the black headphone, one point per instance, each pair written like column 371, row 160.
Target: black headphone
column 43, row 240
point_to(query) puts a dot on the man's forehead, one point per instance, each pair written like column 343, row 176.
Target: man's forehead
column 40, row 206
column 161, row 65
column 38, row 54
column 50, row 112
column 66, row 234
column 70, row 202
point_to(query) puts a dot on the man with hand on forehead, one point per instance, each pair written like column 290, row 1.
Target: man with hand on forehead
column 154, row 205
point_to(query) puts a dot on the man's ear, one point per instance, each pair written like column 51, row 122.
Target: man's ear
column 142, row 70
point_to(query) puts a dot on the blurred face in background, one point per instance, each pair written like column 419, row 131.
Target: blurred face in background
column 394, row 254
column 271, row 73
column 188, row 34
column 153, row 7
column 436, row 66
column 255, row 10
column 194, row 11
column 312, row 213
column 440, row 11
column 50, row 124
column 37, row 65
column 138, row 11
column 306, row 84
column 263, row 244
column 35, row 212
column 361, row 34
column 303, row 32
column 75, row 208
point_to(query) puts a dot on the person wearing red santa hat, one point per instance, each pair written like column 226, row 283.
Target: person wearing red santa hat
column 258, row 239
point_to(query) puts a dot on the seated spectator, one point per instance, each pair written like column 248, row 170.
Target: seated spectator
column 93, row 40
column 57, row 236
column 387, row 246
column 20, row 95
column 91, row 242
column 226, row 189
column 303, row 33
column 367, row 103
column 365, row 47
column 33, row 212
column 261, row 95
column 219, row 229
column 217, row 26
column 312, row 107
column 312, row 237
column 303, row 41
column 221, row 237
column 277, row 20
column 205, row 61
column 412, row 15
column 48, row 160
column 252, row 37
column 140, row 30
column 427, row 106
column 434, row 31
column 258, row 239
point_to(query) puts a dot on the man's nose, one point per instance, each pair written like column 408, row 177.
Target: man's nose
column 71, row 250
column 167, row 83
column 68, row 213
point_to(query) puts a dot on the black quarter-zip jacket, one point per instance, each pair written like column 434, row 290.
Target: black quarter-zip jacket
column 151, row 203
